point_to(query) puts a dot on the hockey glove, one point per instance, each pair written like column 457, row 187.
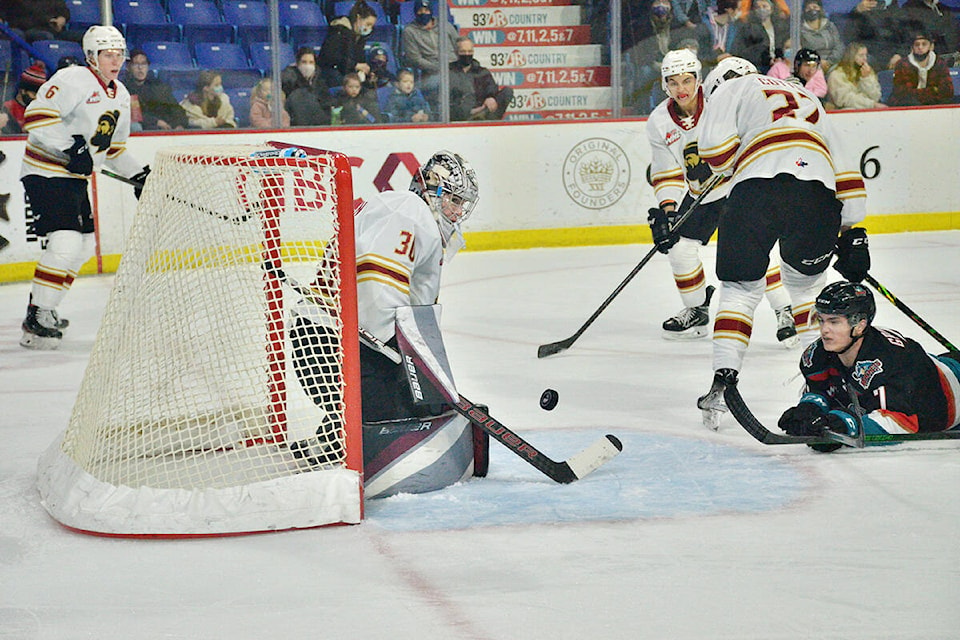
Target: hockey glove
column 660, row 222
column 802, row 420
column 142, row 179
column 80, row 161
column 853, row 254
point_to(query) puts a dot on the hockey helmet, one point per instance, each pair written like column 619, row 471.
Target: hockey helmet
column 849, row 299
column 804, row 56
column 726, row 69
column 100, row 38
column 679, row 61
column 449, row 186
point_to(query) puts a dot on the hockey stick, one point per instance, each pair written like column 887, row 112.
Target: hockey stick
column 755, row 428
column 910, row 313
column 556, row 347
column 124, row 179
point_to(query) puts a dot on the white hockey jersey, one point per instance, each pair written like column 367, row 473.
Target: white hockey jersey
column 676, row 165
column 75, row 101
column 757, row 127
column 399, row 258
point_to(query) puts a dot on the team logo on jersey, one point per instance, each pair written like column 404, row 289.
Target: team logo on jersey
column 94, row 98
column 672, row 136
column 596, row 173
column 865, row 370
column 696, row 169
column 802, row 163
column 106, row 126
column 806, row 358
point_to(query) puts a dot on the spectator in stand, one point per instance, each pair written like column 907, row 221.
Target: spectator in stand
column 343, row 50
column 39, row 20
column 30, row 81
column 940, row 23
column 308, row 97
column 878, row 29
column 921, row 78
column 261, row 103
column 806, row 69
column 208, row 107
column 406, row 103
column 819, row 34
column 766, row 31
column 152, row 105
column 380, row 75
column 720, row 28
column 420, row 43
column 853, row 84
column 689, row 13
column 746, row 6
column 474, row 94
column 356, row 105
column 655, row 35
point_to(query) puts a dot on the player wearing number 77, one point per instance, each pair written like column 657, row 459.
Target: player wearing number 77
column 792, row 182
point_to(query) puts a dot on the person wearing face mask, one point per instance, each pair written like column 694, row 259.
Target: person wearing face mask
column 474, row 94
column 30, row 81
column 308, row 97
column 343, row 50
column 921, row 78
column 876, row 26
column 420, row 43
column 208, row 107
column 380, row 75
column 766, row 31
column 820, row 34
column 261, row 102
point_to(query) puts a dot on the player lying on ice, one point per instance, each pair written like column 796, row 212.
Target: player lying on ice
column 899, row 387
column 402, row 239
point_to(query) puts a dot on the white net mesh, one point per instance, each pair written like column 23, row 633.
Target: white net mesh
column 199, row 378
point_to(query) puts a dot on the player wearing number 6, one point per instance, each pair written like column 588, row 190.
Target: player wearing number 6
column 791, row 182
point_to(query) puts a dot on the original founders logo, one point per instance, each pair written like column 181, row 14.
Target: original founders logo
column 596, row 173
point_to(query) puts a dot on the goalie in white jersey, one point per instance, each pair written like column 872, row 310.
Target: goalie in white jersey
column 79, row 121
column 791, row 183
column 678, row 172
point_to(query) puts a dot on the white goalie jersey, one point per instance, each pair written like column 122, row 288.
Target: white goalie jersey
column 76, row 102
column 756, row 126
column 676, row 166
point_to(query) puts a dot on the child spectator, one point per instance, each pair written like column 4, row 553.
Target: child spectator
column 380, row 75
column 30, row 81
column 261, row 115
column 208, row 107
column 853, row 83
column 406, row 103
column 356, row 105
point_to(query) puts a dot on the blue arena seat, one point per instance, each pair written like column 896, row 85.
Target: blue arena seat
column 199, row 21
column 168, row 55
column 84, row 13
column 240, row 99
column 250, row 18
column 885, row 78
column 220, row 55
column 261, row 56
column 181, row 81
column 301, row 13
column 139, row 12
column 52, row 50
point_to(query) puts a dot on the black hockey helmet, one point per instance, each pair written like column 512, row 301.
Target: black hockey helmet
column 804, row 56
column 849, row 299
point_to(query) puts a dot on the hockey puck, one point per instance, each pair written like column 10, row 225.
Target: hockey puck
column 549, row 399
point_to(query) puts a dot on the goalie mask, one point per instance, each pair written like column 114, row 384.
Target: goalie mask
column 101, row 38
column 727, row 69
column 449, row 186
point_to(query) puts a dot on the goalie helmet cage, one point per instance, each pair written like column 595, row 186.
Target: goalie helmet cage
column 181, row 424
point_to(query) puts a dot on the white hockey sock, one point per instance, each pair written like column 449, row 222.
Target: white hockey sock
column 65, row 253
column 776, row 293
column 687, row 270
column 803, row 290
column 734, row 322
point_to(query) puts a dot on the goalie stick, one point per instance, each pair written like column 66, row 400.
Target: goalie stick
column 564, row 472
column 755, row 428
column 556, row 347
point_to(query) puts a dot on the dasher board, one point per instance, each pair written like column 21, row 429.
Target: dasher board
column 558, row 114
column 530, row 36
column 581, row 99
column 487, row 4
column 553, row 78
column 586, row 55
column 496, row 17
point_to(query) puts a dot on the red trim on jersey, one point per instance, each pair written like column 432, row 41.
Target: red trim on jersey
column 363, row 267
column 679, row 117
column 951, row 400
column 792, row 135
column 719, row 160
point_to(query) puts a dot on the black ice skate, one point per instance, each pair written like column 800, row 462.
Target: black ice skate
column 691, row 323
column 787, row 328
column 40, row 329
column 712, row 403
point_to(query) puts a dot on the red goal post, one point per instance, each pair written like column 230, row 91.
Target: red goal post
column 190, row 398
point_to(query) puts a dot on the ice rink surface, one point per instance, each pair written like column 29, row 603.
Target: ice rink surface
column 687, row 534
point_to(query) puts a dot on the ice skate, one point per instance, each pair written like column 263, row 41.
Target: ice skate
column 40, row 329
column 691, row 323
column 712, row 404
column 787, row 328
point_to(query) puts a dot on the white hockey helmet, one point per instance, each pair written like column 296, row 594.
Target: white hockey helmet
column 100, row 38
column 679, row 61
column 728, row 68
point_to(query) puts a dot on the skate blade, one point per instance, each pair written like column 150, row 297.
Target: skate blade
column 38, row 343
column 690, row 334
column 711, row 418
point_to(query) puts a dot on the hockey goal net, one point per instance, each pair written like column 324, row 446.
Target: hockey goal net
column 190, row 400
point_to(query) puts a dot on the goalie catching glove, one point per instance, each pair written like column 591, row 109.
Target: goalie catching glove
column 853, row 254
column 661, row 227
